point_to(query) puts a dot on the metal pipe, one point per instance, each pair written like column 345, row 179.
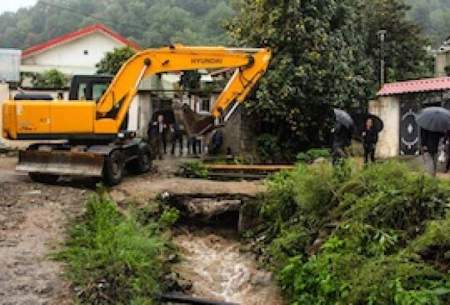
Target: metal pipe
column 182, row 299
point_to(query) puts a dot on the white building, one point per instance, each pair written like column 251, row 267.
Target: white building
column 74, row 53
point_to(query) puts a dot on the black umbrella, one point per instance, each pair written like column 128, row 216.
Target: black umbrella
column 435, row 119
column 360, row 120
column 343, row 118
column 378, row 123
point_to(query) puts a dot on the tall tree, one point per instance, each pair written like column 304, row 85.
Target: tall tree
column 52, row 79
column 406, row 47
column 152, row 23
column 433, row 16
column 113, row 61
column 318, row 63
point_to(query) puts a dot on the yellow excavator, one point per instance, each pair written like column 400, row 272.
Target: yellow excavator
column 94, row 144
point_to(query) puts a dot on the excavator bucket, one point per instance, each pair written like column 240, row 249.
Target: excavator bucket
column 64, row 163
column 195, row 124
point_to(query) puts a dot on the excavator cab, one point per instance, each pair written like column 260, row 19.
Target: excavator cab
column 89, row 87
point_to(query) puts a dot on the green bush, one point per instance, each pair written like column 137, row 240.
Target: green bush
column 343, row 235
column 313, row 154
column 193, row 169
column 112, row 258
column 269, row 149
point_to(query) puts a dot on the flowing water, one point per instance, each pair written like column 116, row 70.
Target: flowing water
column 218, row 270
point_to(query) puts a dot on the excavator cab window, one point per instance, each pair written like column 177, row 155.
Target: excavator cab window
column 88, row 87
column 98, row 90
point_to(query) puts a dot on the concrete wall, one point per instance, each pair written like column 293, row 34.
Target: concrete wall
column 239, row 135
column 140, row 114
column 388, row 109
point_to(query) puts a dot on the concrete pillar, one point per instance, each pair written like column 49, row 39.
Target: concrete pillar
column 440, row 64
column 387, row 108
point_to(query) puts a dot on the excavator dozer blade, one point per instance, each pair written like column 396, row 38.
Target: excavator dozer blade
column 195, row 124
column 64, row 163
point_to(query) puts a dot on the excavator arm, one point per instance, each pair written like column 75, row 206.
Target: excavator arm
column 249, row 65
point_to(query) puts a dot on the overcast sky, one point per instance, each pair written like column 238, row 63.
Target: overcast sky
column 14, row 5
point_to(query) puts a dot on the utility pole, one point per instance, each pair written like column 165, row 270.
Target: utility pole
column 382, row 37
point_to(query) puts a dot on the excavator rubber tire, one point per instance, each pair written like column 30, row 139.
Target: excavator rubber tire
column 143, row 163
column 43, row 178
column 113, row 169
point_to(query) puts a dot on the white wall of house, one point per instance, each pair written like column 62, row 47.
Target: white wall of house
column 388, row 109
column 74, row 57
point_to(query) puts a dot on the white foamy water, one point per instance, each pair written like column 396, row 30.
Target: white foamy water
column 219, row 271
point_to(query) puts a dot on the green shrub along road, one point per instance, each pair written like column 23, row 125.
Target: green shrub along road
column 112, row 258
column 346, row 236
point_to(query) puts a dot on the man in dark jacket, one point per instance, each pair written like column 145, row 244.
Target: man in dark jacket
column 430, row 147
column 342, row 138
column 370, row 140
column 177, row 137
column 157, row 136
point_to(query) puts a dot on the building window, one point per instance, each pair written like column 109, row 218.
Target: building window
column 86, row 52
column 205, row 105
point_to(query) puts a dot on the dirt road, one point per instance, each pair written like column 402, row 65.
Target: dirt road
column 33, row 219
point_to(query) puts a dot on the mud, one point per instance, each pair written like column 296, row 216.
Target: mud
column 32, row 222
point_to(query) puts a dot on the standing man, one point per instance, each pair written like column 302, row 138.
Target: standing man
column 370, row 140
column 157, row 135
column 342, row 138
column 177, row 137
column 192, row 146
column 430, row 147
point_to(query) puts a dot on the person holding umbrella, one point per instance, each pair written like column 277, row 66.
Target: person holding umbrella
column 373, row 125
column 342, row 134
column 430, row 145
column 435, row 122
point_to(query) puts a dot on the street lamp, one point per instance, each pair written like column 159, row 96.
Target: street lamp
column 382, row 37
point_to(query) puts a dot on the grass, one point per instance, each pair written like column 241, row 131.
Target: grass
column 193, row 169
column 116, row 259
column 348, row 235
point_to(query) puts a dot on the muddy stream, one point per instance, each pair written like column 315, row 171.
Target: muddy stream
column 212, row 260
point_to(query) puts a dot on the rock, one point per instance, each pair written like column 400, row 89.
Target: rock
column 320, row 161
column 33, row 193
column 206, row 209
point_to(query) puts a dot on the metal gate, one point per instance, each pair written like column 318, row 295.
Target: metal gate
column 409, row 130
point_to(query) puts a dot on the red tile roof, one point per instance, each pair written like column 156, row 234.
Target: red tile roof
column 77, row 34
column 414, row 86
